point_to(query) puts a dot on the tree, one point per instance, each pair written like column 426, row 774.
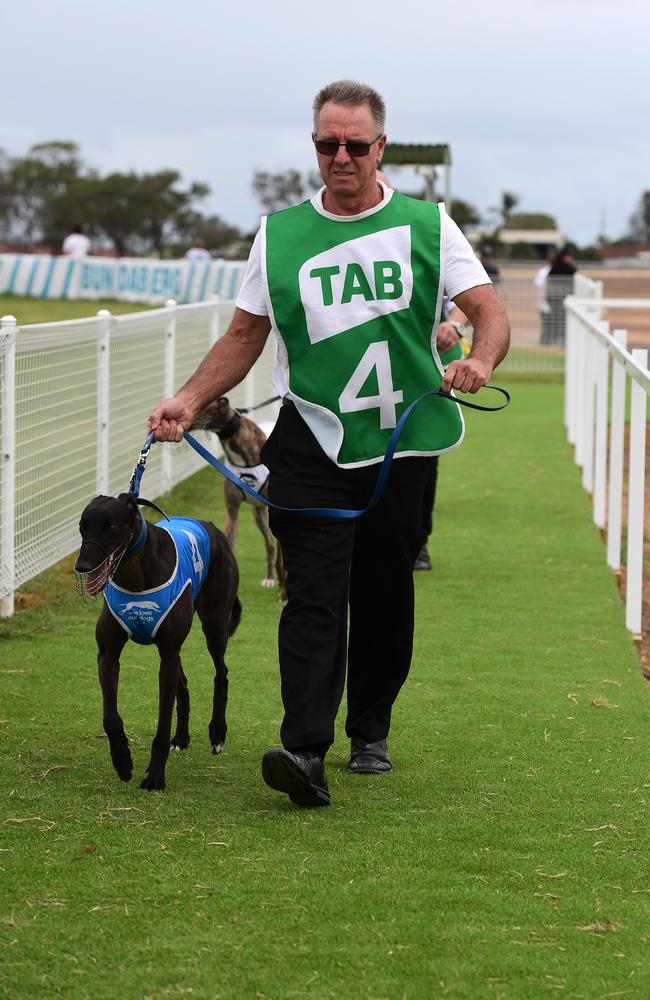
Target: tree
column 214, row 232
column 640, row 220
column 170, row 210
column 35, row 183
column 289, row 187
column 44, row 194
column 509, row 201
column 140, row 213
column 464, row 214
column 531, row 220
column 5, row 194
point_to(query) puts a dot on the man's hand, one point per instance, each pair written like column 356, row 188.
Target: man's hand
column 489, row 340
column 469, row 375
column 170, row 420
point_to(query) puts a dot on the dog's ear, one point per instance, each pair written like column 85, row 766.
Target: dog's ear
column 141, row 502
column 130, row 502
column 223, row 404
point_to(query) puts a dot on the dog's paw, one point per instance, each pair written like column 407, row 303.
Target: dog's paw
column 216, row 748
column 180, row 742
column 123, row 764
column 267, row 582
column 153, row 783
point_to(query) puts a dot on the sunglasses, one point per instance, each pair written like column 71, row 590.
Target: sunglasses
column 330, row 147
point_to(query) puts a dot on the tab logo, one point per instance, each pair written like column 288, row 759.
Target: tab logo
column 356, row 282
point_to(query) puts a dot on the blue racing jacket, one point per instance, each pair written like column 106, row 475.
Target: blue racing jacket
column 141, row 614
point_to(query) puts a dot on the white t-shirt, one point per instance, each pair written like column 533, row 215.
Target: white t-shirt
column 539, row 281
column 461, row 270
column 76, row 245
column 197, row 253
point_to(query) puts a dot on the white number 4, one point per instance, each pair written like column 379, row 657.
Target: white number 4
column 350, row 401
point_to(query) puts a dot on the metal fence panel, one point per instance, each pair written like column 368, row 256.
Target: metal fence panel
column 83, row 391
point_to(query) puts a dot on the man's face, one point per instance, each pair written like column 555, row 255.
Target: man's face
column 346, row 175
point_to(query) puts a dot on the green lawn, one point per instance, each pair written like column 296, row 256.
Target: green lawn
column 29, row 310
column 506, row 857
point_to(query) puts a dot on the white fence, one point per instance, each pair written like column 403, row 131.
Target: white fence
column 74, row 402
column 129, row 279
column 595, row 401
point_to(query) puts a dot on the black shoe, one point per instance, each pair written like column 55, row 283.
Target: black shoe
column 300, row 775
column 369, row 758
column 423, row 561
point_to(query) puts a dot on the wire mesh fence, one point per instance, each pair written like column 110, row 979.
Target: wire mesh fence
column 537, row 338
column 75, row 401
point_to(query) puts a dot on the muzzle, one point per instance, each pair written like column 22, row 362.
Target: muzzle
column 91, row 582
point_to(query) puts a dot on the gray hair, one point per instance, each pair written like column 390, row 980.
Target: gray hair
column 353, row 94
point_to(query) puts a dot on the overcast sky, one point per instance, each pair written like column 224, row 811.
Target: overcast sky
column 549, row 99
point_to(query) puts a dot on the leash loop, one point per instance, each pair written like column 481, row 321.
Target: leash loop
column 466, row 402
column 138, row 472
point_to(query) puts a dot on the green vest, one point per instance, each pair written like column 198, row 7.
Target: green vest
column 356, row 305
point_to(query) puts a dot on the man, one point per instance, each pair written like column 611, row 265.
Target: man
column 350, row 282
column 76, row 244
column 451, row 345
column 198, row 251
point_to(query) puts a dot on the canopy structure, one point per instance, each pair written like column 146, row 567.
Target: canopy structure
column 424, row 159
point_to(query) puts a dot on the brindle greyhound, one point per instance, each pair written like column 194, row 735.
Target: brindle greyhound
column 242, row 441
column 138, row 567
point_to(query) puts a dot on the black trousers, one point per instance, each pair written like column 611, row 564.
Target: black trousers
column 429, row 499
column 366, row 564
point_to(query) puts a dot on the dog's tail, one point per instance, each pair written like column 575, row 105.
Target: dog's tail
column 235, row 617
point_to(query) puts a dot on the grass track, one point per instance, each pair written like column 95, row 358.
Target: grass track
column 29, row 310
column 515, row 817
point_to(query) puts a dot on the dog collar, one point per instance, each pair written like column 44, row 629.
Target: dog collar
column 229, row 429
column 141, row 539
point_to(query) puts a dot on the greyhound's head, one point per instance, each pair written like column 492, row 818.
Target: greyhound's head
column 107, row 526
column 214, row 416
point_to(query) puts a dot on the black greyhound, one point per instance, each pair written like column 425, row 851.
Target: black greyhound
column 128, row 559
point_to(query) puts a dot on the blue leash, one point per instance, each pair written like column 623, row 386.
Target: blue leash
column 332, row 512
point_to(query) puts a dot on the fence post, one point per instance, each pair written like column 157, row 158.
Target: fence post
column 214, row 330
column 170, row 374
column 103, row 388
column 569, row 372
column 636, row 486
column 597, row 294
column 601, row 372
column 580, row 362
column 587, row 415
column 8, row 495
column 616, row 448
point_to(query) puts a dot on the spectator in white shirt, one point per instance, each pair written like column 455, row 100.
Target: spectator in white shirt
column 76, row 244
column 197, row 251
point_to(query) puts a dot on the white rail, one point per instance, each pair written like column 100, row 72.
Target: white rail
column 588, row 400
column 73, row 409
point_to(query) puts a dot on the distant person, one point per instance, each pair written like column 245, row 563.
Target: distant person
column 559, row 284
column 451, row 346
column 76, row 244
column 197, row 251
column 543, row 308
